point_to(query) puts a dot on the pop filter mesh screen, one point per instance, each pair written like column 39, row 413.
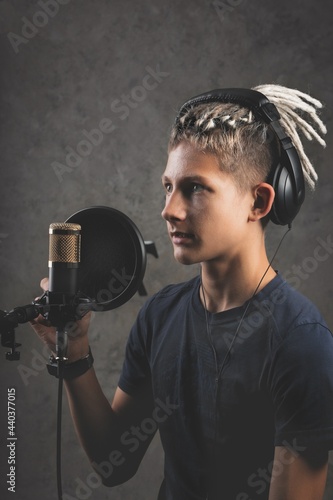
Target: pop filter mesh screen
column 112, row 256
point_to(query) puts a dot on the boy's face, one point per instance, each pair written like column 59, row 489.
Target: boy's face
column 207, row 216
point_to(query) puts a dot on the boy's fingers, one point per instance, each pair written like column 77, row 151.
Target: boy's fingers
column 40, row 322
column 44, row 284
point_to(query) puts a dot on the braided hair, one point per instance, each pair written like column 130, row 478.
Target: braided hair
column 244, row 145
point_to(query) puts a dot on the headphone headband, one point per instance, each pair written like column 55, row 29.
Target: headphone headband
column 287, row 177
column 252, row 99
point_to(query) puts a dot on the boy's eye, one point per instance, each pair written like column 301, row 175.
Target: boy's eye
column 189, row 189
column 197, row 187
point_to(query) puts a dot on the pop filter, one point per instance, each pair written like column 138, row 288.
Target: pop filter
column 113, row 257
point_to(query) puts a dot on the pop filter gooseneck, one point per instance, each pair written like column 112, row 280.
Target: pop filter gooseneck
column 113, row 257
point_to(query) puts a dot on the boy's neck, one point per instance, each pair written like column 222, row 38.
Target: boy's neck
column 229, row 284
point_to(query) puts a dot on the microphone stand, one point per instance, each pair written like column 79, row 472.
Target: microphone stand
column 61, row 358
column 61, row 314
column 7, row 330
column 10, row 320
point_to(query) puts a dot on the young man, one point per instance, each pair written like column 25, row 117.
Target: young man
column 234, row 367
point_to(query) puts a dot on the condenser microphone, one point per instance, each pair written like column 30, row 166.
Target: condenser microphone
column 64, row 260
column 64, row 257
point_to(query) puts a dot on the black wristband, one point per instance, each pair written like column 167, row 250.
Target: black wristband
column 71, row 370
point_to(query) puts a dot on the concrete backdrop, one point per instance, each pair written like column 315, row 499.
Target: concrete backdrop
column 69, row 67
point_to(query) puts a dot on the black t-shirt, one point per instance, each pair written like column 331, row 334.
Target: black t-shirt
column 219, row 424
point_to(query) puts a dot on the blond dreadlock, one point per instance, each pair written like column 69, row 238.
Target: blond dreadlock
column 288, row 101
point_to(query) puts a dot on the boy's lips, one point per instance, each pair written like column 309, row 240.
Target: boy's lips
column 179, row 237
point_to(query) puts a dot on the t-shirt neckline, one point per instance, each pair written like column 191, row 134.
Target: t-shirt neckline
column 235, row 312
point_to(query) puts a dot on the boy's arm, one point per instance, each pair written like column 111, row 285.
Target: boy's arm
column 111, row 435
column 298, row 476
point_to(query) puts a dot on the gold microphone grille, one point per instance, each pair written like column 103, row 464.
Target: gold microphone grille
column 64, row 242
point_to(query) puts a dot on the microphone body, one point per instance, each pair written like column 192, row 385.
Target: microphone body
column 64, row 260
column 64, row 257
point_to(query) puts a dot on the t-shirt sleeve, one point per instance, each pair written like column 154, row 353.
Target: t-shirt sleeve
column 136, row 370
column 302, row 388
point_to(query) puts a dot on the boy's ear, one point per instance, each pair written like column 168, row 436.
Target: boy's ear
column 263, row 195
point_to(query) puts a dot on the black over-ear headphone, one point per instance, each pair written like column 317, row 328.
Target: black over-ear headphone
column 287, row 176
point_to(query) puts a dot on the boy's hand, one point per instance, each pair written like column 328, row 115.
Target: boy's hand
column 78, row 343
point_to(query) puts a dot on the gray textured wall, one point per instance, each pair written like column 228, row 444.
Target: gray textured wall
column 62, row 72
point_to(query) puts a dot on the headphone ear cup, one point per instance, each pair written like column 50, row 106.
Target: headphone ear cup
column 284, row 208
